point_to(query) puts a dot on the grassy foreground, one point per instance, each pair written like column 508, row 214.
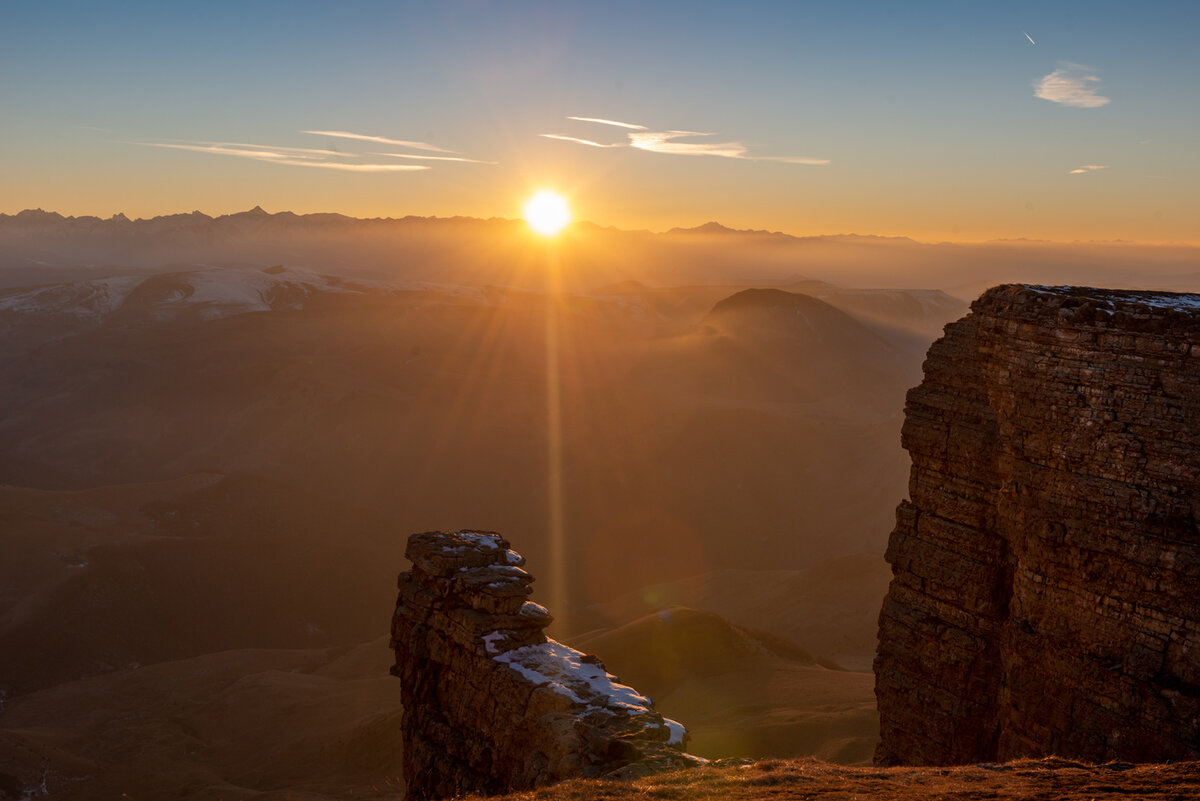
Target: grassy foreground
column 1050, row 779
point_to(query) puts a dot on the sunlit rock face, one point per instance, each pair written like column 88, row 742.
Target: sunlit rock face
column 490, row 704
column 1046, row 565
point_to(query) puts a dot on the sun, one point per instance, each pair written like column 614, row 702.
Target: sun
column 547, row 212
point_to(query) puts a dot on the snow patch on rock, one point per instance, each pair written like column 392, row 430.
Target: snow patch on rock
column 571, row 673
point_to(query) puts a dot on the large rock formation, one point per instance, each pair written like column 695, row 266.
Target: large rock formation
column 490, row 704
column 1046, row 589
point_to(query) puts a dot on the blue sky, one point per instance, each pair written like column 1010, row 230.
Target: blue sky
column 916, row 119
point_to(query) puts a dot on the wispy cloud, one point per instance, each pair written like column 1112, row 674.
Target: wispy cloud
column 642, row 138
column 328, row 159
column 664, row 142
column 383, row 140
column 576, row 139
column 462, row 159
column 349, row 167
column 603, row 121
column 299, row 152
column 792, row 160
column 283, row 156
column 1086, row 168
column 1071, row 85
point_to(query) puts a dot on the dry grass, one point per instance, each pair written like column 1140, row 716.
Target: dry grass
column 1045, row 780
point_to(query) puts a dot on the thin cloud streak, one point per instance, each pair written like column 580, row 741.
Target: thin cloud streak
column 463, row 159
column 587, row 142
column 299, row 151
column 602, row 121
column 791, row 160
column 1030, row 38
column 383, row 140
column 321, row 157
column 1086, row 168
column 1071, row 85
column 335, row 165
column 274, row 157
column 641, row 138
column 261, row 154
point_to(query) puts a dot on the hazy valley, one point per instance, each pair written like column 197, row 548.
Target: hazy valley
column 216, row 434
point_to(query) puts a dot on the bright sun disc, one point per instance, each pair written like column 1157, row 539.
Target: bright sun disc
column 547, row 212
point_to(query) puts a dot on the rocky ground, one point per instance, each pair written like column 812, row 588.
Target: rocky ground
column 1048, row 779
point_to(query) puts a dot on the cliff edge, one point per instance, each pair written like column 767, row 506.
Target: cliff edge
column 490, row 704
column 1046, row 564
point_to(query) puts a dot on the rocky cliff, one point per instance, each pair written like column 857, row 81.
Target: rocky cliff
column 1046, row 565
column 490, row 704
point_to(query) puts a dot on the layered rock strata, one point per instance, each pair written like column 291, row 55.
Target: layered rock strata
column 1046, row 589
column 490, row 704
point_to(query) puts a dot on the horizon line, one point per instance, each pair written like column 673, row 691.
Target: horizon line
column 711, row 225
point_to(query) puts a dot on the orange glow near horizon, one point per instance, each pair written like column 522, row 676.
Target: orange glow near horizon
column 1163, row 220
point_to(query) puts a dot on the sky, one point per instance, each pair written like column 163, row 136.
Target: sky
column 942, row 121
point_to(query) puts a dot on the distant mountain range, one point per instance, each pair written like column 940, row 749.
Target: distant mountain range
column 39, row 246
column 31, row 220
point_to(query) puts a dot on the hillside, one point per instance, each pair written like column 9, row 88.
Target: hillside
column 831, row 608
column 742, row 692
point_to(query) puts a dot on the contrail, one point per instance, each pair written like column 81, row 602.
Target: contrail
column 1030, row 38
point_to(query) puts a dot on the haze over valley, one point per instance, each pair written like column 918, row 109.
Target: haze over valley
column 208, row 459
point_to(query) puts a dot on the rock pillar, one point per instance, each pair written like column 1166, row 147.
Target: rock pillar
column 490, row 704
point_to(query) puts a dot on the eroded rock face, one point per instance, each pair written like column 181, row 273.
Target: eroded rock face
column 1046, row 590
column 490, row 704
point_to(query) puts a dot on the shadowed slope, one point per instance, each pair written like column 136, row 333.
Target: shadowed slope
column 253, row 724
column 103, row 579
